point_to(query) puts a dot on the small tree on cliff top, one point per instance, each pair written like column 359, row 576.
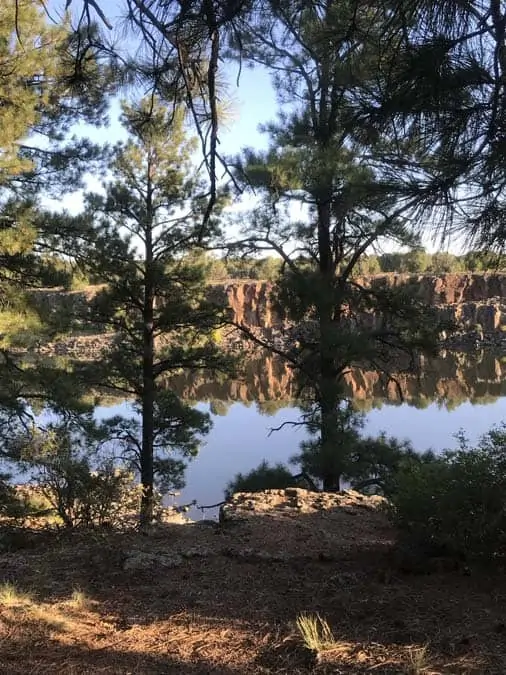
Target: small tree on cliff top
column 149, row 218
column 325, row 59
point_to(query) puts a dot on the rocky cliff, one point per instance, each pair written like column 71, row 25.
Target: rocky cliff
column 467, row 299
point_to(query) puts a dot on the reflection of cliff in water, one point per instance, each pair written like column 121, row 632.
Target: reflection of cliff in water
column 451, row 379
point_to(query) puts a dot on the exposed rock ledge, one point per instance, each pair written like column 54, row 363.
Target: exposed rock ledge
column 293, row 501
column 275, row 527
column 476, row 303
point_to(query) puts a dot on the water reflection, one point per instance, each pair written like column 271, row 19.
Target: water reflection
column 427, row 409
column 449, row 381
column 241, row 438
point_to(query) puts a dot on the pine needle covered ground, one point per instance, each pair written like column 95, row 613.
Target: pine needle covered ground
column 229, row 599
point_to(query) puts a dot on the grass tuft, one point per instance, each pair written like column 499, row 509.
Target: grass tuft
column 417, row 661
column 11, row 596
column 79, row 600
column 316, row 633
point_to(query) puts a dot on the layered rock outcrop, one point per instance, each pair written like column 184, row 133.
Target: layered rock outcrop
column 466, row 299
column 292, row 501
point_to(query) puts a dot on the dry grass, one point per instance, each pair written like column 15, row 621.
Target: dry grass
column 79, row 600
column 11, row 596
column 315, row 632
column 227, row 611
column 417, row 661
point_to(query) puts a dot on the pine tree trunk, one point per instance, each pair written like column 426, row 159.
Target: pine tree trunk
column 148, row 378
column 329, row 409
column 147, row 501
column 328, row 385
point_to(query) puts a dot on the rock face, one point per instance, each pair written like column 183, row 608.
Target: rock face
column 467, row 299
column 141, row 560
column 475, row 303
column 284, row 525
column 271, row 527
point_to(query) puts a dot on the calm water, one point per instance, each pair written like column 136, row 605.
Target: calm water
column 458, row 392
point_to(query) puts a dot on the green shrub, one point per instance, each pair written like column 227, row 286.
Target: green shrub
column 456, row 504
column 264, row 477
column 84, row 488
column 89, row 498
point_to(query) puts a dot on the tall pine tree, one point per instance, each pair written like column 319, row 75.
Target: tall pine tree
column 142, row 231
column 332, row 171
column 43, row 92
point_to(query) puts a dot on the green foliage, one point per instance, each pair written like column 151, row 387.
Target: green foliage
column 67, row 469
column 369, row 464
column 20, row 60
column 40, row 101
column 268, row 269
column 179, row 429
column 21, row 328
column 368, row 265
column 217, row 270
column 328, row 462
column 145, row 237
column 325, row 163
column 271, row 407
column 454, row 504
column 12, row 505
column 418, row 261
column 264, row 477
column 445, row 262
column 219, row 408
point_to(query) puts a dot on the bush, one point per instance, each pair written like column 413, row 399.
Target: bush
column 89, row 498
column 82, row 487
column 455, row 504
column 264, row 477
column 12, row 505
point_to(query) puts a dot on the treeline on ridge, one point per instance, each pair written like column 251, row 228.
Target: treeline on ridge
column 268, row 268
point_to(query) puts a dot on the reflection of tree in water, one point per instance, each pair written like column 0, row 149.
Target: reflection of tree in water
column 219, row 408
column 270, row 408
column 449, row 381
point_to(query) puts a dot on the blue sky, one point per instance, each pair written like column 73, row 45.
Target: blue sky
column 253, row 102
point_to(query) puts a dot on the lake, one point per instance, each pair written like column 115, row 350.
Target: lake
column 456, row 391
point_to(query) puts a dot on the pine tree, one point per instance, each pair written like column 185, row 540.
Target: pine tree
column 142, row 231
column 43, row 93
column 336, row 172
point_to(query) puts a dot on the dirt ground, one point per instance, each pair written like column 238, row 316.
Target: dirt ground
column 224, row 598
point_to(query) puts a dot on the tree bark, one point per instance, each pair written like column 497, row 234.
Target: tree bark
column 148, row 376
column 328, row 395
column 148, row 402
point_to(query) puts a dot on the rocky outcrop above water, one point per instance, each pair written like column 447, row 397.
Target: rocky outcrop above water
column 469, row 299
column 447, row 289
column 271, row 527
column 475, row 303
column 466, row 299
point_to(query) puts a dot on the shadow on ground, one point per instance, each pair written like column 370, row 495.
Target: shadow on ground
column 211, row 599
